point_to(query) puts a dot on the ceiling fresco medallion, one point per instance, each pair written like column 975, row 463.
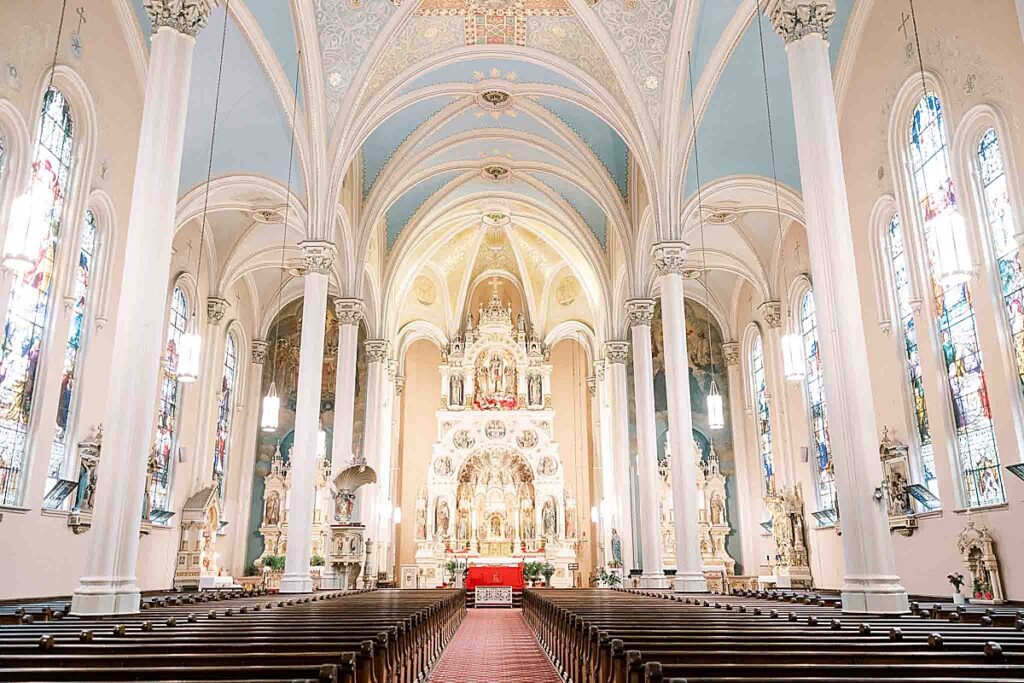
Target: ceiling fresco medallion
column 496, row 172
column 567, row 290
column 424, row 290
column 495, row 22
column 267, row 215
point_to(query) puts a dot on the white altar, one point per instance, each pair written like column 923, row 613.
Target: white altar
column 495, row 489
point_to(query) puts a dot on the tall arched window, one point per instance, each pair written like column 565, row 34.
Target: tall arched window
column 225, row 412
column 935, row 195
column 29, row 303
column 901, row 286
column 167, row 414
column 762, row 414
column 1001, row 227
column 73, row 351
column 814, row 385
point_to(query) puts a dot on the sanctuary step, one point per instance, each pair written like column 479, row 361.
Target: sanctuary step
column 611, row 636
column 381, row 636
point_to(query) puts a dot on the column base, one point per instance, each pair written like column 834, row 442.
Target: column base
column 657, row 580
column 296, row 583
column 690, row 583
column 877, row 595
column 102, row 597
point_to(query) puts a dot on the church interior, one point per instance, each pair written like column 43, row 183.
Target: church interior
column 606, row 341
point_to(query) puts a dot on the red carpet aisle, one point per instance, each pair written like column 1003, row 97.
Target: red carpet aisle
column 494, row 646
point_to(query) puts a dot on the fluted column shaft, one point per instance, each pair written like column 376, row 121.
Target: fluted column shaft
column 109, row 584
column 669, row 258
column 317, row 257
column 870, row 583
column 641, row 313
column 606, row 505
column 369, row 495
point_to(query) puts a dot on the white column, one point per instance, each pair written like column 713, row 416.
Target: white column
column 748, row 487
column 109, row 585
column 241, row 472
column 376, row 379
column 211, row 376
column 616, row 353
column 640, row 313
column 317, row 259
column 783, row 442
column 871, row 583
column 596, row 475
column 669, row 261
column 385, row 475
column 606, row 505
column 350, row 312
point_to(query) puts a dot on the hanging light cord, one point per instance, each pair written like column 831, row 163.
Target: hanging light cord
column 700, row 214
column 213, row 141
column 920, row 58
column 768, row 109
column 287, row 208
column 53, row 70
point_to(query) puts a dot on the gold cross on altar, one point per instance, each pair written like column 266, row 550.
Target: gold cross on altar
column 494, row 22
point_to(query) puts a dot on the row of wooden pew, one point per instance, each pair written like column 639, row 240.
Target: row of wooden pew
column 380, row 636
column 621, row 636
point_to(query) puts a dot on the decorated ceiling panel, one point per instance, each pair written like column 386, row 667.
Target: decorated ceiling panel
column 275, row 19
column 249, row 111
column 641, row 30
column 712, row 21
column 474, row 118
column 480, row 148
column 387, row 137
column 589, row 210
column 602, row 139
column 512, row 70
column 405, row 206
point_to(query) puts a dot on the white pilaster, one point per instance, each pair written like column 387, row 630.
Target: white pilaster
column 669, row 262
column 317, row 258
column 350, row 312
column 606, row 504
column 641, row 313
column 369, row 495
column 870, row 583
column 748, row 485
column 211, row 378
column 783, row 442
column 623, row 516
column 241, row 476
column 109, row 584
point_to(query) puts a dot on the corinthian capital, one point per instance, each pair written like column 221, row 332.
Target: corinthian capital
column 377, row 350
column 350, row 311
column 260, row 347
column 599, row 367
column 616, row 351
column 317, row 257
column 669, row 258
column 731, row 353
column 794, row 19
column 640, row 311
column 771, row 311
column 184, row 16
column 216, row 309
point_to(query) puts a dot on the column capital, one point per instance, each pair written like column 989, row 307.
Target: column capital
column 317, row 256
column 184, row 16
column 592, row 386
column 795, row 19
column 731, row 353
column 349, row 311
column 260, row 348
column 771, row 312
column 599, row 368
column 392, row 370
column 216, row 309
column 669, row 258
column 640, row 312
column 377, row 350
column 616, row 351
column 399, row 384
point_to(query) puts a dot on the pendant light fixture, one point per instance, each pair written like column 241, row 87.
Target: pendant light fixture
column 715, row 406
column 792, row 344
column 191, row 342
column 271, row 412
column 20, row 249
column 953, row 264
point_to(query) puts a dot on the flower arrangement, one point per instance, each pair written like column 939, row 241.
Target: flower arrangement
column 956, row 580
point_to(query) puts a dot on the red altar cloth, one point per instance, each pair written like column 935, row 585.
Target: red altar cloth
column 495, row 575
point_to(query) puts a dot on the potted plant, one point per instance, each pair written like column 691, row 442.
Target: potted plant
column 957, row 581
column 317, row 561
column 607, row 579
column 531, row 572
column 978, row 587
column 548, row 570
column 450, row 567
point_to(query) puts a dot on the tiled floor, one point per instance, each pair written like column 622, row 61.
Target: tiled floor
column 494, row 646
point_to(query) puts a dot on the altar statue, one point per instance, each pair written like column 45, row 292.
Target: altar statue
column 548, row 515
column 273, row 509
column 616, row 547
column 441, row 520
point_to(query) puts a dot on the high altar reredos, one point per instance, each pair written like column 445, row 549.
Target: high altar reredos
column 495, row 490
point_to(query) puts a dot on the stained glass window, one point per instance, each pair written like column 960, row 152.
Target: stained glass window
column 759, row 390
column 912, row 355
column 159, row 494
column 29, row 302
column 977, row 454
column 814, row 385
column 225, row 411
column 73, row 350
column 1007, row 251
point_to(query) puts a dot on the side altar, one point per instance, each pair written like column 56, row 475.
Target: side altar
column 496, row 490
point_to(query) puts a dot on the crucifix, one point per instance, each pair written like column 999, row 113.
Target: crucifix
column 903, row 24
column 76, row 37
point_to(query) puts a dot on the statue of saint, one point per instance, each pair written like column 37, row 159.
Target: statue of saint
column 548, row 515
column 441, row 521
column 273, row 515
column 616, row 547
